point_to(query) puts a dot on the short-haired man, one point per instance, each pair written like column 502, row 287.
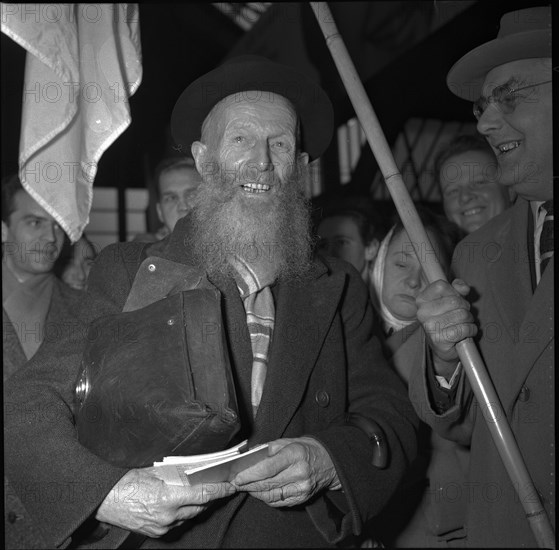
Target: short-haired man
column 176, row 183
column 309, row 375
column 509, row 264
column 34, row 301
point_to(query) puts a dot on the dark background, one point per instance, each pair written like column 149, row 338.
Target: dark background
column 183, row 41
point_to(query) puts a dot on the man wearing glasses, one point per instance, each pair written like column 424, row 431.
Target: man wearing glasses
column 508, row 266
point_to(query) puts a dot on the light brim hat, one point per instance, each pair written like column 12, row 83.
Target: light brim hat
column 523, row 34
column 255, row 73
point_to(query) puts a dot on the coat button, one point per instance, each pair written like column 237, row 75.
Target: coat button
column 171, row 322
column 151, row 267
column 524, row 394
column 322, row 398
column 13, row 517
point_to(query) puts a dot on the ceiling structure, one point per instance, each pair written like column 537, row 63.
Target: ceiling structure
column 404, row 78
column 243, row 14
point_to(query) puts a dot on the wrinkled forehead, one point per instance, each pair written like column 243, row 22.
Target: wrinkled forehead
column 517, row 73
column 251, row 105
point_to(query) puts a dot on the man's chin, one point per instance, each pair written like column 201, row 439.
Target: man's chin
column 41, row 267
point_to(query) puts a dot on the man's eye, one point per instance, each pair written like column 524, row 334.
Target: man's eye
column 34, row 223
column 239, row 139
column 508, row 98
column 450, row 192
column 507, row 94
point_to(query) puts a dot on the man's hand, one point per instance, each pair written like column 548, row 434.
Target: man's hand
column 446, row 319
column 143, row 503
column 298, row 469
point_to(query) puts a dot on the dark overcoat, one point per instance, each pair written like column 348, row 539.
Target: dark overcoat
column 516, row 341
column 20, row 530
column 324, row 362
column 63, row 311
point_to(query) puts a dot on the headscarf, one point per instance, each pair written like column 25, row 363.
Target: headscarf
column 389, row 322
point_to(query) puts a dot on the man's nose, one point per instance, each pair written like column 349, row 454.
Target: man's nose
column 490, row 120
column 187, row 200
column 80, row 273
column 182, row 205
column 49, row 232
column 261, row 156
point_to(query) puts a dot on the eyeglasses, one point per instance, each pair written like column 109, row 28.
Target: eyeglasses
column 504, row 97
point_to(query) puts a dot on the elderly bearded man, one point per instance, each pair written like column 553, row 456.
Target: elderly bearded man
column 315, row 386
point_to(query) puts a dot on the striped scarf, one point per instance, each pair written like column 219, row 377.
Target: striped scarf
column 259, row 306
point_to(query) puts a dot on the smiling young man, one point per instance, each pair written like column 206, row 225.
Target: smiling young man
column 309, row 376
column 176, row 181
column 34, row 301
column 509, row 264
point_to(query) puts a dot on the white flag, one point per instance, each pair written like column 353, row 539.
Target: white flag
column 83, row 63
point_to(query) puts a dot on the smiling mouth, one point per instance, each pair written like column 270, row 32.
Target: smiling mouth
column 256, row 188
column 473, row 211
column 508, row 147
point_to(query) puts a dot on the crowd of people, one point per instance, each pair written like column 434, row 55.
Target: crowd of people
column 328, row 340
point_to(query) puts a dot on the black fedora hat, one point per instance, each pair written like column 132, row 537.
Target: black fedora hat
column 252, row 73
column 523, row 34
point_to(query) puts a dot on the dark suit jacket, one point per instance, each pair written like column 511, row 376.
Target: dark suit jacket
column 63, row 311
column 324, row 362
column 516, row 342
column 21, row 529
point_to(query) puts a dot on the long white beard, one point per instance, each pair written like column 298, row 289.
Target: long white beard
column 277, row 231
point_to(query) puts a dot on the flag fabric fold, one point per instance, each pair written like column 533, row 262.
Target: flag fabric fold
column 83, row 63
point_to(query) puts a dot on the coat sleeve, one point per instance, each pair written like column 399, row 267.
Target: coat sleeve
column 61, row 483
column 374, row 392
column 456, row 423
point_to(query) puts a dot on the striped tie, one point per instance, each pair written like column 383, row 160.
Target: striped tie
column 260, row 312
column 546, row 238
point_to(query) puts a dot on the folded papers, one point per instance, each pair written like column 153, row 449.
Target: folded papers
column 210, row 468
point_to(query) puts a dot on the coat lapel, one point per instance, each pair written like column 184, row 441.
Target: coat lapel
column 509, row 273
column 527, row 316
column 304, row 313
column 13, row 354
column 238, row 339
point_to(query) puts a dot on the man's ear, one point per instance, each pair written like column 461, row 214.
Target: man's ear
column 198, row 150
column 371, row 250
column 304, row 158
column 159, row 213
column 511, row 194
column 4, row 232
